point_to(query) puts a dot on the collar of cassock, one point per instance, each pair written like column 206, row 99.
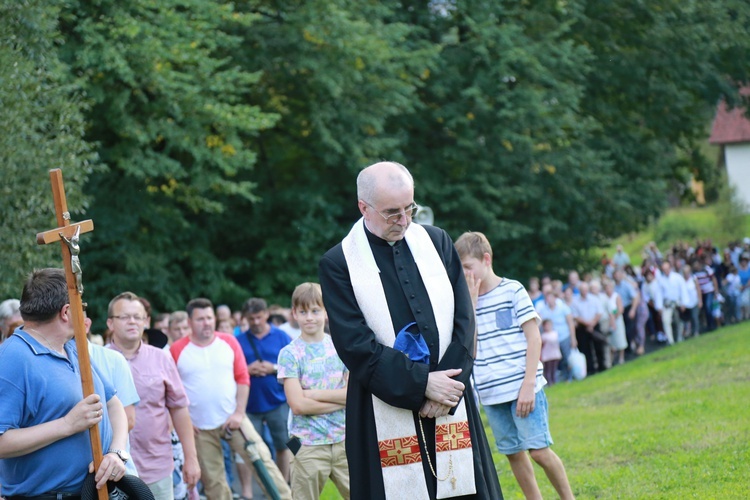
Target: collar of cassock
column 377, row 240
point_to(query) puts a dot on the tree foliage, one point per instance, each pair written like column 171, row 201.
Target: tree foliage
column 230, row 135
column 500, row 147
column 337, row 73
column 659, row 68
column 41, row 128
column 173, row 124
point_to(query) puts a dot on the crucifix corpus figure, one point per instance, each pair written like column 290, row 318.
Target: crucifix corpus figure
column 75, row 263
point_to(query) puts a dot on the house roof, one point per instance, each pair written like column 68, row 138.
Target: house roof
column 730, row 125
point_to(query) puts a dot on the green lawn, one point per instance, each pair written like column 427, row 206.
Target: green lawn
column 673, row 424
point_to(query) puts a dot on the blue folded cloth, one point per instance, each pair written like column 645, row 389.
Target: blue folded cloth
column 412, row 344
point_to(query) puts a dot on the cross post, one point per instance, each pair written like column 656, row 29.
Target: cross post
column 67, row 234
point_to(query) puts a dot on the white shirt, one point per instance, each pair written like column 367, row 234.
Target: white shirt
column 621, row 259
column 672, row 287
column 209, row 376
column 290, row 330
column 652, row 292
column 691, row 293
column 586, row 309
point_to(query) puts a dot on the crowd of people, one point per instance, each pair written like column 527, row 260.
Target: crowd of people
column 372, row 378
column 184, row 386
column 669, row 297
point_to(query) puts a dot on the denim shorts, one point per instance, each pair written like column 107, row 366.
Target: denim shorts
column 515, row 434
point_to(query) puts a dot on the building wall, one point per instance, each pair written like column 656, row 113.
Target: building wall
column 737, row 157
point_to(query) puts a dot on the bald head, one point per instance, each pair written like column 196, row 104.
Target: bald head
column 380, row 177
column 385, row 193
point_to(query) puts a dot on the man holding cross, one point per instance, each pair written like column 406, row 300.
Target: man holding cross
column 44, row 447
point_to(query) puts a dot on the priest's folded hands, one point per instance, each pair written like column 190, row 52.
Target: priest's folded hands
column 442, row 393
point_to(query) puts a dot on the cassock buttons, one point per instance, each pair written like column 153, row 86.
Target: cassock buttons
column 401, row 268
column 426, row 327
column 419, row 311
column 412, row 295
column 406, row 282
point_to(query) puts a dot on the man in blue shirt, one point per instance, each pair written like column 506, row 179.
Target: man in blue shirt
column 267, row 404
column 44, row 447
column 628, row 292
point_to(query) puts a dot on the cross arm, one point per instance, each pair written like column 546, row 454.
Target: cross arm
column 53, row 235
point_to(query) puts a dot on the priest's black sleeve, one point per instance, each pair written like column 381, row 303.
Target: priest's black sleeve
column 380, row 370
column 459, row 352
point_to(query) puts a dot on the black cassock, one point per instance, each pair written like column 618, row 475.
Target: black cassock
column 388, row 374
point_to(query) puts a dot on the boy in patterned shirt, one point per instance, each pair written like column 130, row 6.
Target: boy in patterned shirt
column 507, row 370
column 314, row 381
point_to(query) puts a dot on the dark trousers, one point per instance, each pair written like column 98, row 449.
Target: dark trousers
column 630, row 329
column 655, row 323
column 592, row 346
column 708, row 311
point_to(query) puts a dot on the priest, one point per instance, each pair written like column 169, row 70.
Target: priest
column 412, row 424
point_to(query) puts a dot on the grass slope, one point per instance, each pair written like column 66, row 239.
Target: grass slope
column 673, row 424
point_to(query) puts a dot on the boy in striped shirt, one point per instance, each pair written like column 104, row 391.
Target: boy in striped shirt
column 507, row 370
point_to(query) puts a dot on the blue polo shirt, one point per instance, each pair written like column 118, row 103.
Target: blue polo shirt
column 38, row 385
column 266, row 393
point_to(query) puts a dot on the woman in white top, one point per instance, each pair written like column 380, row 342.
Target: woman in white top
column 617, row 339
column 693, row 301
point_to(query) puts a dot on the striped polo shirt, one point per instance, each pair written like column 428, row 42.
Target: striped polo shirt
column 501, row 348
column 705, row 280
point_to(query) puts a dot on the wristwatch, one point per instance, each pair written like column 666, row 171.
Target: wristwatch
column 124, row 455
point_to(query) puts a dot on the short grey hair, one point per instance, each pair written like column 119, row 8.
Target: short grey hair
column 9, row 308
column 367, row 181
column 177, row 317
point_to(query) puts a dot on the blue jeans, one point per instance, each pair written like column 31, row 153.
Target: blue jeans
column 228, row 455
column 693, row 321
column 708, row 311
column 563, row 367
column 734, row 307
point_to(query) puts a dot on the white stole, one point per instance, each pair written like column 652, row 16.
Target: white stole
column 400, row 458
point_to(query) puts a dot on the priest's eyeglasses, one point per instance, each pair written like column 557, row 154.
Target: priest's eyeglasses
column 391, row 216
column 128, row 317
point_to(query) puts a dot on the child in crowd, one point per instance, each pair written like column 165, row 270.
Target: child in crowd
column 225, row 325
column 551, row 354
column 733, row 290
column 314, row 381
column 507, row 371
column 717, row 310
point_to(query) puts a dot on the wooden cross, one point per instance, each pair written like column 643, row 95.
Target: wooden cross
column 67, row 234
